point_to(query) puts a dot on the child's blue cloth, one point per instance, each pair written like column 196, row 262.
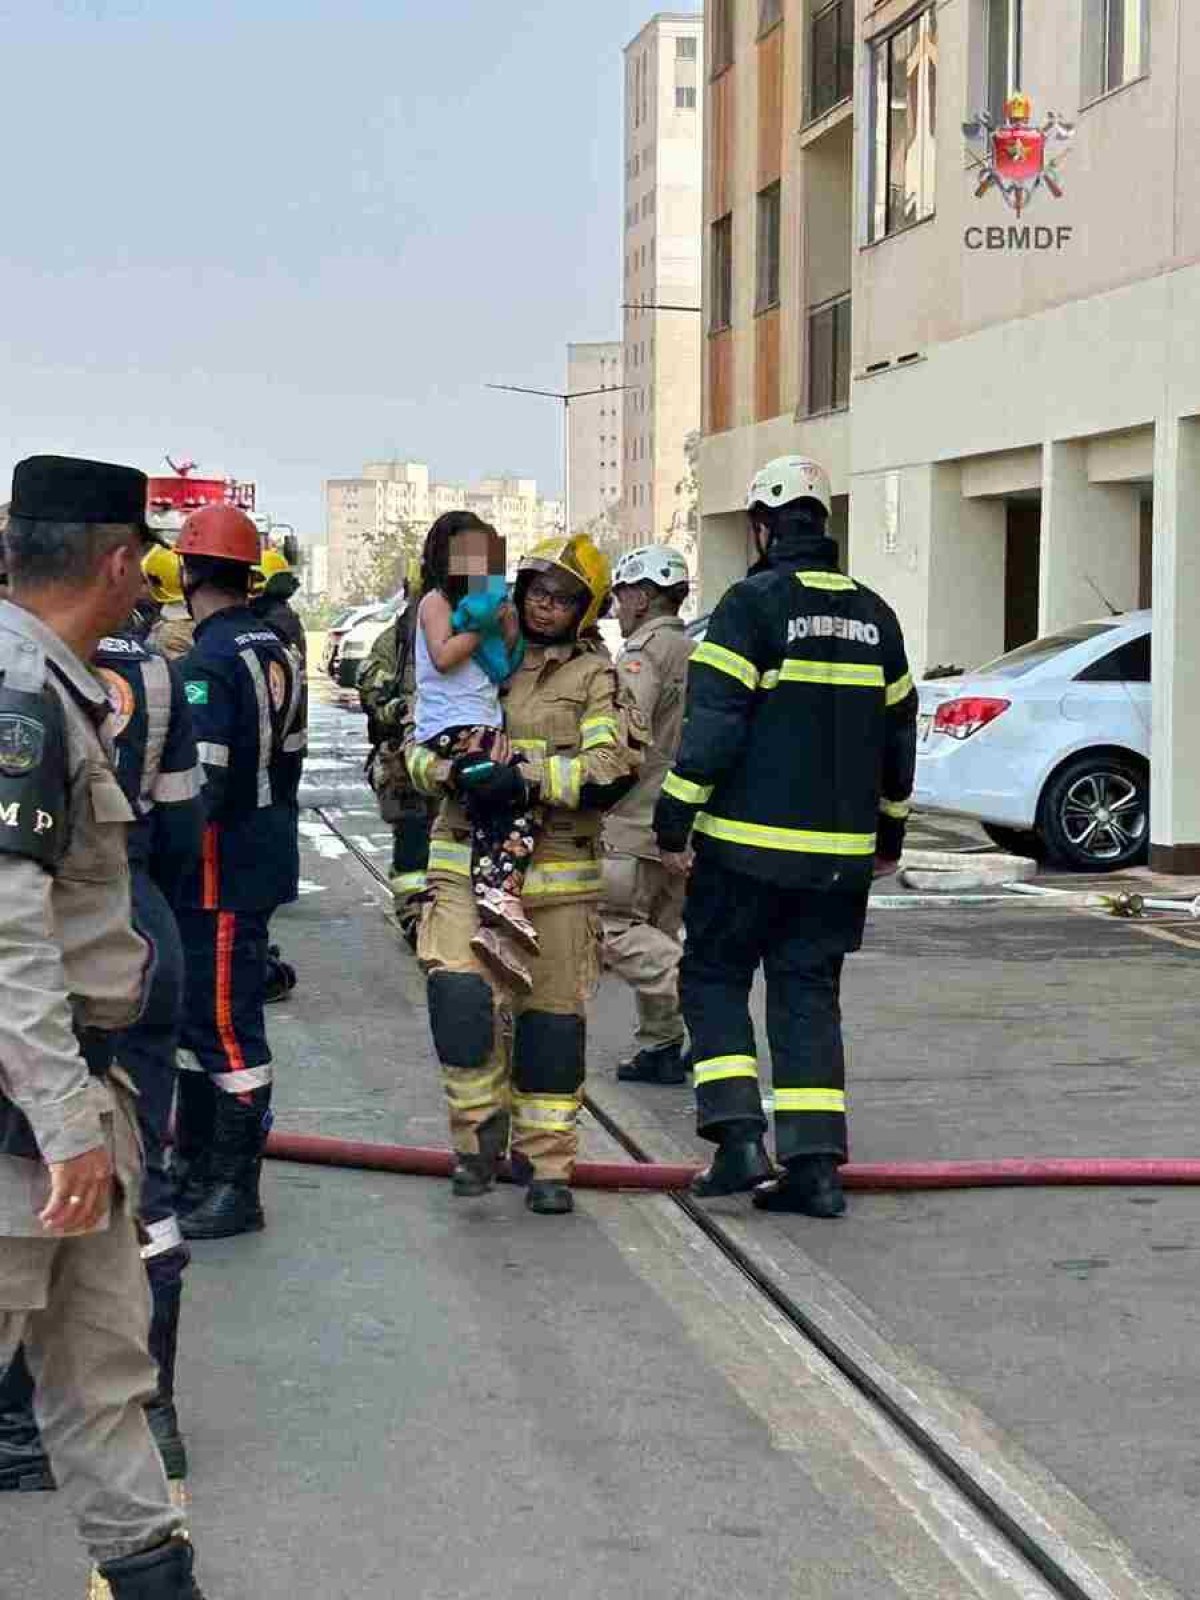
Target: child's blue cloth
column 478, row 612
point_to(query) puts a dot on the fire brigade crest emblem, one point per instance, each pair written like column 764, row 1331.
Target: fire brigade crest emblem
column 1015, row 158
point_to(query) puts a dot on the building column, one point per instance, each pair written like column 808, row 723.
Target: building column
column 1175, row 735
column 1091, row 537
column 723, row 555
column 965, row 625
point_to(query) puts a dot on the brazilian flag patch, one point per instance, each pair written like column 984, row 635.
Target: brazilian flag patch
column 197, row 692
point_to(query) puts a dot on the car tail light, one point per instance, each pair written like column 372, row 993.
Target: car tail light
column 961, row 718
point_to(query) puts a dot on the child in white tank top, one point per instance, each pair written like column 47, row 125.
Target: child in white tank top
column 468, row 642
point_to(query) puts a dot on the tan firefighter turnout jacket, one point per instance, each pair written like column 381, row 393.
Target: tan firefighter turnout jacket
column 581, row 737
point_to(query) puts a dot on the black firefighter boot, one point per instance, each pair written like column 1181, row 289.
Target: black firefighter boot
column 663, row 1064
column 741, row 1162
column 230, row 1204
column 474, row 1175
column 23, row 1462
column 195, row 1111
column 809, row 1187
column 164, row 1573
column 166, row 1289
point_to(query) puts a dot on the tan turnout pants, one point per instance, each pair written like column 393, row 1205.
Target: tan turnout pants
column 642, row 916
column 512, row 1068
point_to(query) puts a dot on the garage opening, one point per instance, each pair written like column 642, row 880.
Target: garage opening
column 1022, row 570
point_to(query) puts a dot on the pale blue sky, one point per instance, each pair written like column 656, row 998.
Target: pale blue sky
column 283, row 236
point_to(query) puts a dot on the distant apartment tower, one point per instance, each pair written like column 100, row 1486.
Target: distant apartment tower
column 385, row 497
column 663, row 248
column 596, row 430
column 391, row 496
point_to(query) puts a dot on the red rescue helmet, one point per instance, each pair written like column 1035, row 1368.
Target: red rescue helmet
column 220, row 531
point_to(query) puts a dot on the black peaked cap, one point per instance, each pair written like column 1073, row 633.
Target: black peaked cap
column 67, row 489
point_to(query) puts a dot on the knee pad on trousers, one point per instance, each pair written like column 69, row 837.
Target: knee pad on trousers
column 548, row 1053
column 460, row 1014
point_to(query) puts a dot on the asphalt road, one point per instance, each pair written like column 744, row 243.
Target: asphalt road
column 393, row 1393
column 390, row 1392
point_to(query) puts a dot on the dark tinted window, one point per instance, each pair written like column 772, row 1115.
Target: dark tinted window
column 1128, row 664
column 1018, row 662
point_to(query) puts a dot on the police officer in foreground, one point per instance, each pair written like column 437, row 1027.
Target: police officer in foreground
column 643, row 902
column 247, row 700
column 156, row 766
column 72, row 1285
column 793, row 780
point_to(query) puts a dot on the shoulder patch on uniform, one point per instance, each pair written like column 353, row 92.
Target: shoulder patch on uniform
column 631, row 666
column 22, row 740
column 196, row 690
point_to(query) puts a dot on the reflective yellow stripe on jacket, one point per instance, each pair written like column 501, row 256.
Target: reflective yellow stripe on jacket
column 595, row 731
column 839, row 674
column 898, row 810
column 805, row 841
column 834, row 582
column 692, row 794
column 900, row 690
column 726, row 661
column 544, row 881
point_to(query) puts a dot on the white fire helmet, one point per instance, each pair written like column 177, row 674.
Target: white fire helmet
column 658, row 564
column 790, row 478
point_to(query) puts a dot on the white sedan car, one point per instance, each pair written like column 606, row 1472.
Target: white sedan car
column 1049, row 746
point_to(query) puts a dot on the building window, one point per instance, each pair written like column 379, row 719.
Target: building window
column 767, row 259
column 1116, row 44
column 722, row 273
column 722, row 34
column 769, row 13
column 829, row 356
column 831, row 76
column 685, row 49
column 904, row 126
column 685, row 98
column 1003, row 53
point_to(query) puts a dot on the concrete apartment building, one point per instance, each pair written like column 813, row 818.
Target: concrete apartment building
column 1011, row 419
column 391, row 495
column 595, row 423
column 664, row 68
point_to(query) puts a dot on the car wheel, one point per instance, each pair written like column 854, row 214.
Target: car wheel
column 1095, row 814
column 1015, row 841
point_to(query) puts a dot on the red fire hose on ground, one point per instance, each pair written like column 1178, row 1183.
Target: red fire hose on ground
column 877, row 1177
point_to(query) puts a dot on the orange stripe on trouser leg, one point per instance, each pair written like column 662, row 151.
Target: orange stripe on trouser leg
column 209, row 865
column 226, row 926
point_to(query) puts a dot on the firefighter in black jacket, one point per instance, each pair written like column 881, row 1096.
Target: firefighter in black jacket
column 793, row 777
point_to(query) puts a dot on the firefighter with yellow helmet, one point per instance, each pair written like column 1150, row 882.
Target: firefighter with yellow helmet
column 513, row 1065
column 163, row 572
column 272, row 586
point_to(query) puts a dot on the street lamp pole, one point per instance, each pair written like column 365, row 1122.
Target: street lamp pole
column 566, row 396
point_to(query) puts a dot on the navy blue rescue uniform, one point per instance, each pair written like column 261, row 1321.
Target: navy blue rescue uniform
column 158, row 770
column 247, row 698
column 794, row 772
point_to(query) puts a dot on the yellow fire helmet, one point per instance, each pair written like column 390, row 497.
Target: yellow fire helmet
column 163, row 572
column 270, row 565
column 579, row 558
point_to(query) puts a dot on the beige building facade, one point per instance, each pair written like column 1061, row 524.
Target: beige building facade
column 595, row 429
column 1008, row 402
column 664, row 77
